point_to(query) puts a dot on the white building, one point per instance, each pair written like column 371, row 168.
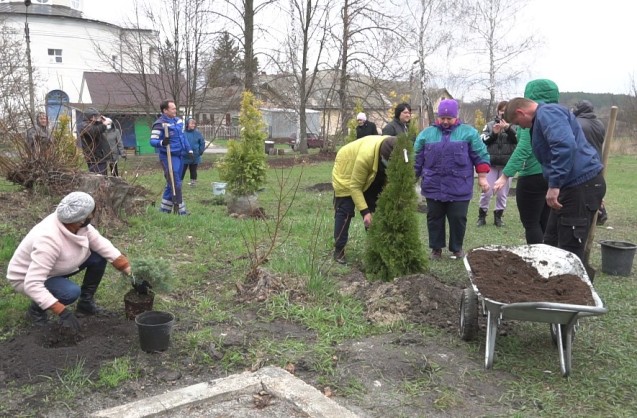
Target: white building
column 65, row 45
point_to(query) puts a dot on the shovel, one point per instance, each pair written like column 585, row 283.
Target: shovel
column 605, row 151
column 170, row 169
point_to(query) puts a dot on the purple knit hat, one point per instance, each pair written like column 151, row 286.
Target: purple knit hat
column 448, row 108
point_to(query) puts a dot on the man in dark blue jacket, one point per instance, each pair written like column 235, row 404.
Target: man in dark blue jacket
column 571, row 166
column 179, row 147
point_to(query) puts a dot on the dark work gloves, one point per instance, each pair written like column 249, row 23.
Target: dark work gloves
column 165, row 142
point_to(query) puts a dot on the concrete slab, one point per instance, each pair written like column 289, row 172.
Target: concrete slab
column 269, row 392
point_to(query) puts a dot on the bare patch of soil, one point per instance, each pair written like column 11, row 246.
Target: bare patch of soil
column 320, row 187
column 44, row 352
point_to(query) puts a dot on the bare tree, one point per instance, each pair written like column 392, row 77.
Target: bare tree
column 361, row 40
column 244, row 12
column 434, row 33
column 491, row 26
column 170, row 58
column 14, row 81
column 309, row 27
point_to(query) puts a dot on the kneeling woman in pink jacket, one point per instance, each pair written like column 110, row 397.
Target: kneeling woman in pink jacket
column 64, row 244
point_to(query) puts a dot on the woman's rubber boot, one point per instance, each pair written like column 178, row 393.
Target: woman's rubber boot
column 497, row 218
column 482, row 217
column 37, row 315
column 86, row 303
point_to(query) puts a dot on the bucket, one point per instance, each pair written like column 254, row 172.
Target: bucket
column 154, row 330
column 269, row 145
column 219, row 189
column 617, row 257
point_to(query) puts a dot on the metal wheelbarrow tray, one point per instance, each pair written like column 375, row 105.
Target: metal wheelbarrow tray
column 549, row 261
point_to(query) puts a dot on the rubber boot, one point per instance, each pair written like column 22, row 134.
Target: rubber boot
column 339, row 255
column 37, row 315
column 497, row 218
column 482, row 217
column 92, row 278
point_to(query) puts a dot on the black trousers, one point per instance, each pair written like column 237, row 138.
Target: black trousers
column 453, row 212
column 193, row 171
column 530, row 195
column 344, row 211
column 569, row 226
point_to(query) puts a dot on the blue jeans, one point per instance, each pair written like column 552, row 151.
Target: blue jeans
column 67, row 291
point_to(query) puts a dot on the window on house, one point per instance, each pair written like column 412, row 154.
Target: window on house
column 75, row 4
column 55, row 55
column 42, row 1
column 114, row 61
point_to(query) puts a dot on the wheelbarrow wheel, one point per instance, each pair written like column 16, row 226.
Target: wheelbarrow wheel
column 468, row 324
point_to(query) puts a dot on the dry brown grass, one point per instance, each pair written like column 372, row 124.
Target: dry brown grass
column 623, row 146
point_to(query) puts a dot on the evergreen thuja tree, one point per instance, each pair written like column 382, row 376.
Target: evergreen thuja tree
column 393, row 246
column 244, row 166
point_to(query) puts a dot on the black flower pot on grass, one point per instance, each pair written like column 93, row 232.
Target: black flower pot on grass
column 154, row 329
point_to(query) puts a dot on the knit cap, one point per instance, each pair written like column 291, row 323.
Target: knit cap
column 361, row 116
column 75, row 207
column 448, row 108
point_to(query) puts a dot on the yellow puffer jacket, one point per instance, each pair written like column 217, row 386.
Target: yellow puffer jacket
column 355, row 168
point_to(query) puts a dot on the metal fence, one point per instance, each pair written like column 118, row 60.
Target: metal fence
column 212, row 132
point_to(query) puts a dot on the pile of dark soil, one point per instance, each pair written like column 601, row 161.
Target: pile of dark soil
column 506, row 277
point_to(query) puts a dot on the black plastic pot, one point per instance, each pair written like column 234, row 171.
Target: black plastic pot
column 617, row 257
column 154, row 330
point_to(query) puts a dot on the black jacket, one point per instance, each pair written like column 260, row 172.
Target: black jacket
column 395, row 128
column 367, row 128
column 500, row 146
column 593, row 128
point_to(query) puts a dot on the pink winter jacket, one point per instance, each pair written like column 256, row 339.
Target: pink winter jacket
column 51, row 250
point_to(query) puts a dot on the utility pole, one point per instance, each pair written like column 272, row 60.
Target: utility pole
column 27, row 3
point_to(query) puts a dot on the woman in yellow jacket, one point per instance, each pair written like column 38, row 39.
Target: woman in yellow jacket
column 358, row 177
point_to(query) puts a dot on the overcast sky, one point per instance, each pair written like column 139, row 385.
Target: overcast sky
column 588, row 44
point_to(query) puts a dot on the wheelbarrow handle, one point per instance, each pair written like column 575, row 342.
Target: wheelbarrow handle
column 597, row 310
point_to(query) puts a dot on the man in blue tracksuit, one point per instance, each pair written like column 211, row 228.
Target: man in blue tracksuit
column 179, row 147
column 571, row 166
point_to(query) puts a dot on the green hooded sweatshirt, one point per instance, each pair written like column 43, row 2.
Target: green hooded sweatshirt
column 522, row 160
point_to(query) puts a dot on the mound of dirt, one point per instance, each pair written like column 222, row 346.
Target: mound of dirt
column 417, row 298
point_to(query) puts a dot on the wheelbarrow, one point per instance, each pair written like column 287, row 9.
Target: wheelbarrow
column 563, row 318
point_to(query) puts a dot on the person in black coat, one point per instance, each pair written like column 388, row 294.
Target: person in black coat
column 594, row 131
column 365, row 127
column 400, row 123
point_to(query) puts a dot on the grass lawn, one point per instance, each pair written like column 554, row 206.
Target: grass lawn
column 208, row 250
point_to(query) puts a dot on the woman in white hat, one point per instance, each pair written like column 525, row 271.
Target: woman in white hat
column 61, row 245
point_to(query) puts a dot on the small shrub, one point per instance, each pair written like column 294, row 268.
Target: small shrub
column 156, row 271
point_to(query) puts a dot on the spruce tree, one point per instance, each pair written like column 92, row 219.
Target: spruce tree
column 393, row 246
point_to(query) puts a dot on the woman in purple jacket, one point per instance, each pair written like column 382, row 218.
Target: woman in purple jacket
column 446, row 154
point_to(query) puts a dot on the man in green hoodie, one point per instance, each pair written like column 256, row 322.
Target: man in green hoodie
column 531, row 188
